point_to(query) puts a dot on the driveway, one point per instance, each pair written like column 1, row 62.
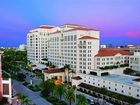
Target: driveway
column 33, row 96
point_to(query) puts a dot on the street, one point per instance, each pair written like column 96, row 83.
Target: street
column 33, row 96
column 28, row 74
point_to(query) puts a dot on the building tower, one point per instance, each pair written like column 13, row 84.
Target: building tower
column 71, row 44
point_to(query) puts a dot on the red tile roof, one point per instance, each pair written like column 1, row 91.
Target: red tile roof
column 112, row 52
column 45, row 69
column 86, row 86
column 77, row 78
column 82, row 28
column 56, row 32
column 56, row 70
column 74, row 29
column 33, row 66
column 46, row 27
column 88, row 37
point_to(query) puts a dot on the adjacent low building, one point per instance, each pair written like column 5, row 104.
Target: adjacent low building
column 5, row 84
column 60, row 75
column 126, row 85
column 135, row 49
column 22, row 47
column 103, row 46
column 56, row 73
column 111, row 57
column 134, row 61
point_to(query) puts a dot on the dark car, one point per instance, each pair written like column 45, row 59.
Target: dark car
column 32, row 76
column 27, row 73
column 25, row 83
column 21, row 75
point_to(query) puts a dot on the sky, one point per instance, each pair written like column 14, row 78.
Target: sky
column 117, row 20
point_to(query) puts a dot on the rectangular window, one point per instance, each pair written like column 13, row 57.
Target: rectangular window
column 75, row 37
column 65, row 38
column 68, row 38
column 71, row 38
column 6, row 89
column 98, row 59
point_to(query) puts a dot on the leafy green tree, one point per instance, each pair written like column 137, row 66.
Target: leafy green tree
column 67, row 66
column 27, row 101
column 59, row 90
column 47, row 87
column 13, row 60
column 22, row 98
column 82, row 100
column 16, row 69
column 69, row 95
column 103, row 90
column 49, row 63
column 29, row 62
column 128, row 71
column 38, row 73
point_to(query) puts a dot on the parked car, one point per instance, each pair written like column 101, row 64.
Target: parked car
column 32, row 76
column 25, row 83
column 27, row 73
column 94, row 102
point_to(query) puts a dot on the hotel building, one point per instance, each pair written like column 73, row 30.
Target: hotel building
column 78, row 46
column 70, row 44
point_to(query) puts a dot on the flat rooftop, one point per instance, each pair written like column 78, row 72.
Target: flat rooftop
column 119, row 78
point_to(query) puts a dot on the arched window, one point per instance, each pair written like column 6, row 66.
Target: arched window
column 84, row 42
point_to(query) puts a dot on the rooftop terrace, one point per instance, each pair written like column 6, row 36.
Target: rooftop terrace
column 119, row 78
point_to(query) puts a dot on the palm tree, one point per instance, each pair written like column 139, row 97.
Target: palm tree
column 82, row 100
column 29, row 62
column 59, row 90
column 21, row 98
column 69, row 95
column 27, row 101
column 16, row 69
column 51, row 85
column 47, row 87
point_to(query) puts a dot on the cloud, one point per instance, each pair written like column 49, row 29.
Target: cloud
column 133, row 34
